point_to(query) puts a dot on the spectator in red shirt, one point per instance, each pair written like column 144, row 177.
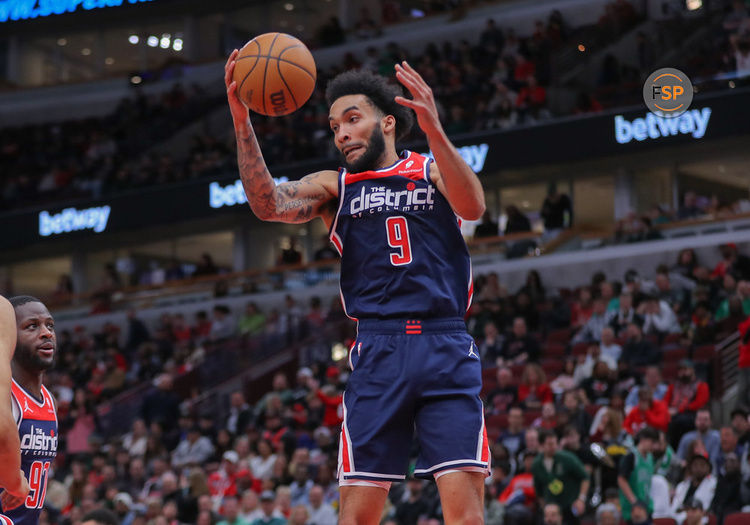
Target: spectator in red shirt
column 649, row 412
column 332, row 400
column 534, row 391
column 684, row 398
column 224, row 481
column 519, row 497
column 743, row 378
column 532, row 96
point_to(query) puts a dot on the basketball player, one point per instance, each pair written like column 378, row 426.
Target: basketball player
column 406, row 278
column 33, row 407
column 12, row 479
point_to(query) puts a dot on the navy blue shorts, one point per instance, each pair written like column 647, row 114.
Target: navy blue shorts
column 412, row 378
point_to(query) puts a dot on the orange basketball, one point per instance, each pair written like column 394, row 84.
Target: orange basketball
column 275, row 74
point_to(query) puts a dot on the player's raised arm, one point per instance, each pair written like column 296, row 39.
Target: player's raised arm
column 453, row 177
column 11, row 477
column 299, row 201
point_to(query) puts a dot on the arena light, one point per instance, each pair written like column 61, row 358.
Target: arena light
column 152, row 41
column 62, row 42
column 177, row 44
column 693, row 5
column 339, row 352
column 289, row 6
column 86, row 51
column 581, row 48
column 109, row 61
column 166, row 41
column 135, row 79
column 133, row 39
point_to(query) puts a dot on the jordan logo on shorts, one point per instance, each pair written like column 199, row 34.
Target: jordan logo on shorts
column 472, row 353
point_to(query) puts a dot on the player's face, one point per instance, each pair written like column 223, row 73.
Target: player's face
column 37, row 343
column 357, row 132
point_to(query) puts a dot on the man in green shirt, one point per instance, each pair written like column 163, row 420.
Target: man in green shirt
column 559, row 477
column 267, row 505
column 635, row 472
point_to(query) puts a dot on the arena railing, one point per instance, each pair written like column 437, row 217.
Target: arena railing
column 237, row 363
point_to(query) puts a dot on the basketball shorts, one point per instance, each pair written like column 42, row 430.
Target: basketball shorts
column 412, row 379
column 5, row 520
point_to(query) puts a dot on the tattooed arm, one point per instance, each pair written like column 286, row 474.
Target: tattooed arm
column 299, row 201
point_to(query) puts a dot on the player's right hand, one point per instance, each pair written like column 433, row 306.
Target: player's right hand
column 13, row 497
column 238, row 109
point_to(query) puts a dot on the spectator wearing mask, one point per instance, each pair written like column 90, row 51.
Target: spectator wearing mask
column 728, row 444
column 684, row 398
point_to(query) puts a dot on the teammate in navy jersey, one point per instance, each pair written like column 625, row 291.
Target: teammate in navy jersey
column 405, row 277
column 32, row 404
column 12, row 480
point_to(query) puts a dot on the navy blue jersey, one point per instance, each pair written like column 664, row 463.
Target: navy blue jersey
column 37, row 429
column 402, row 252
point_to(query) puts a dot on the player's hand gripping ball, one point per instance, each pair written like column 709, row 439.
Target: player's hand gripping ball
column 275, row 74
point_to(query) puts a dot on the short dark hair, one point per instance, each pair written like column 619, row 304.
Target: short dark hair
column 545, row 434
column 377, row 90
column 20, row 300
column 739, row 411
column 647, row 433
column 101, row 517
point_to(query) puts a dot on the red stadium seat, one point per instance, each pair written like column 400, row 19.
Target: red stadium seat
column 552, row 367
column 492, row 434
column 664, row 521
column 529, row 417
column 713, row 520
column 672, row 338
column 553, row 350
column 669, row 370
column 704, row 353
column 560, row 336
column 497, row 421
column 592, row 409
column 489, row 375
column 737, row 518
column 673, row 355
column 580, row 348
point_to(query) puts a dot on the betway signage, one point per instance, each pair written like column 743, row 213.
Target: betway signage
column 12, row 10
column 231, row 194
column 693, row 123
column 73, row 219
column 474, row 155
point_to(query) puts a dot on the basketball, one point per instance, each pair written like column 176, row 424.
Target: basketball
column 275, row 74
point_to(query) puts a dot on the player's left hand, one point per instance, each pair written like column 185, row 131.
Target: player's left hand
column 422, row 101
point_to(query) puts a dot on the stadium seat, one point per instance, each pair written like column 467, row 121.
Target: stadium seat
column 497, row 421
column 489, row 375
column 713, row 520
column 737, row 518
column 559, row 336
column 580, row 349
column 674, row 354
column 529, row 417
column 553, row 350
column 672, row 338
column 669, row 370
column 552, row 367
column 664, row 521
column 704, row 353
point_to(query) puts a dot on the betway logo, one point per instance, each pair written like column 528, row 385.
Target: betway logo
column 71, row 219
column 380, row 197
column 37, row 441
column 693, row 122
column 474, row 155
column 232, row 194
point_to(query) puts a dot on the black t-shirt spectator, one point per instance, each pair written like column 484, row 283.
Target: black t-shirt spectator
column 515, row 346
column 501, row 399
column 553, row 212
column 597, row 390
column 640, row 353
